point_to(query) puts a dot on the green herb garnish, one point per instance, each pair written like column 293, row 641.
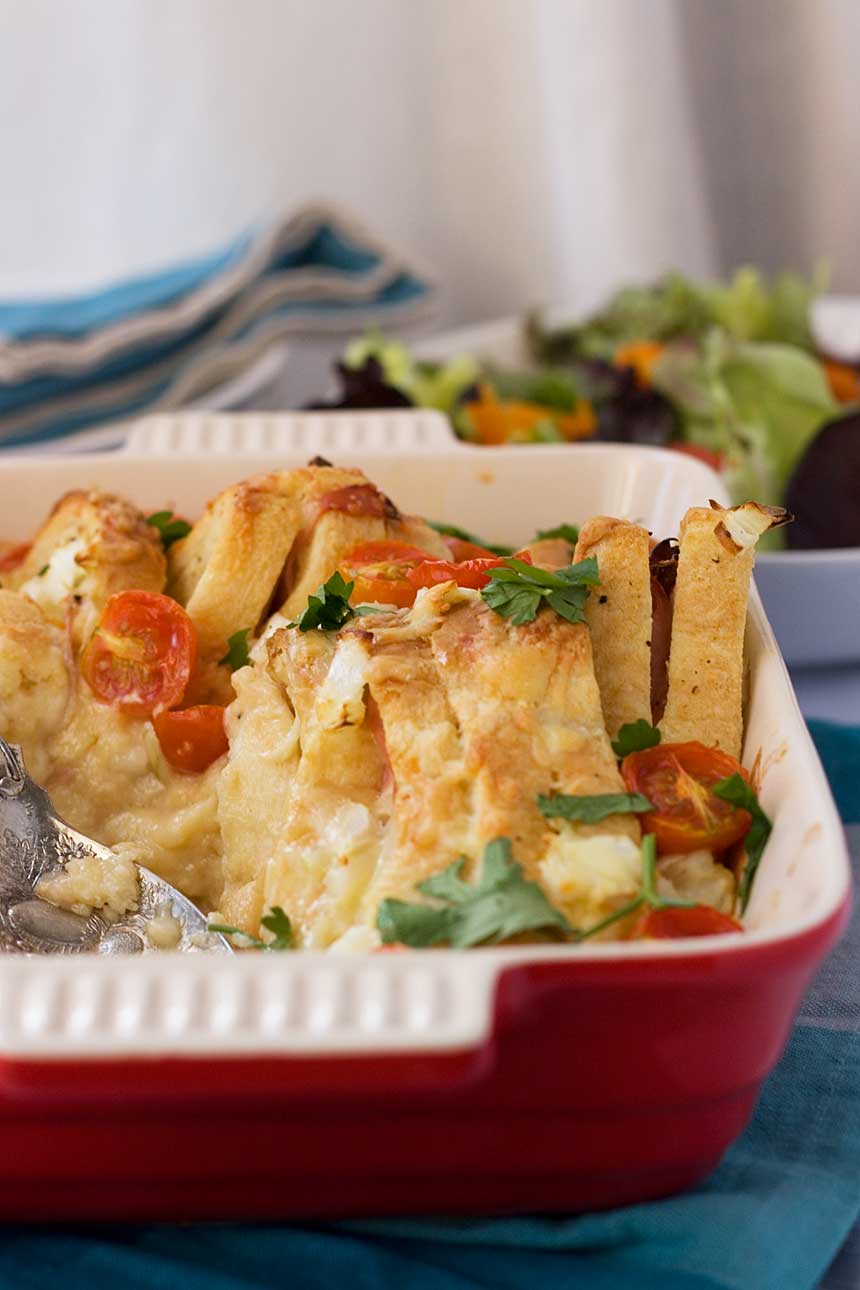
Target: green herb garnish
column 518, row 590
column 501, row 904
column 44, row 569
column 649, row 895
column 451, row 530
column 170, row 529
column 237, row 649
column 634, row 736
column 276, row 922
column 591, row 810
column 569, row 532
column 329, row 608
column 736, row 790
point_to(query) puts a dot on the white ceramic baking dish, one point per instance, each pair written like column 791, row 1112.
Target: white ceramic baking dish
column 426, row 1024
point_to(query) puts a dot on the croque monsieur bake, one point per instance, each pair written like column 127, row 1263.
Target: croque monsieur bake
column 334, row 762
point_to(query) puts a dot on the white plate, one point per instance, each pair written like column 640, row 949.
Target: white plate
column 312, row 1002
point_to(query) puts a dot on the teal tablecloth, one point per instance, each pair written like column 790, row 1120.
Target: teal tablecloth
column 771, row 1218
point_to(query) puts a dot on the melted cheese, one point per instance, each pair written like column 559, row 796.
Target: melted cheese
column 62, row 578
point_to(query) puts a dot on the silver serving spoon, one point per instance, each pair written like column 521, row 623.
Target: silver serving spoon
column 34, row 841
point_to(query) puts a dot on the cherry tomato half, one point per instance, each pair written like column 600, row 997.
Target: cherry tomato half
column 142, row 654
column 355, row 499
column 462, row 550
column 466, row 573
column 192, row 738
column 674, row 922
column 677, row 779
column 379, row 569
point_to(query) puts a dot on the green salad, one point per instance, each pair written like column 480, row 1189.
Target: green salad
column 728, row 372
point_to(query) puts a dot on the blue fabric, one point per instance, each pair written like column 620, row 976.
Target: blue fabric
column 45, row 403
column 771, row 1217
column 77, row 315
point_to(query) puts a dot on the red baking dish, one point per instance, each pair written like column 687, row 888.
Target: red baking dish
column 554, row 1078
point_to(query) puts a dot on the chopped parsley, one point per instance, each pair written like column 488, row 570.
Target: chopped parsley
column 276, row 922
column 634, row 736
column 502, row 903
column 451, row 530
column 44, row 569
column 329, row 608
column 649, row 896
column 170, row 529
column 237, row 649
column 518, row 590
column 591, row 810
column 569, row 532
column 736, row 790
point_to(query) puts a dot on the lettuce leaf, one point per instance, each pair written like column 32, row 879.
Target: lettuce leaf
column 747, row 307
column 758, row 403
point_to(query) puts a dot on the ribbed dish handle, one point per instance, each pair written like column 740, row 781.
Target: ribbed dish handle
column 326, row 434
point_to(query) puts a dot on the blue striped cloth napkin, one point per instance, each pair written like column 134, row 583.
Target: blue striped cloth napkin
column 157, row 342
column 771, row 1217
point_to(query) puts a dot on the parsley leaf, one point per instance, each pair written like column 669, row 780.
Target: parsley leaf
column 517, row 590
column 569, row 532
column 650, row 897
column 501, row 904
column 736, row 790
column 451, row 530
column 44, row 569
column 237, row 649
column 329, row 608
column 170, row 529
column 590, row 810
column 276, row 921
column 633, row 737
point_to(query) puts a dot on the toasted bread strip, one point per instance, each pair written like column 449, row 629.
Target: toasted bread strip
column 92, row 545
column 618, row 613
column 432, row 823
column 707, row 649
column 225, row 570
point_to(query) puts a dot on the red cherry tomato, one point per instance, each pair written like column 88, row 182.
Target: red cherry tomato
column 142, row 654
column 462, row 550
column 674, row 922
column 466, row 573
column 676, row 778
column 192, row 738
column 379, row 569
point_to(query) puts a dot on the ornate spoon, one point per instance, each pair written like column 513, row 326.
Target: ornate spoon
column 34, row 842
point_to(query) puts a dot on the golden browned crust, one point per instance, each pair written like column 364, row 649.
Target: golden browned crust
column 706, row 658
column 424, row 734
column 225, row 571
column 114, row 550
column 618, row 613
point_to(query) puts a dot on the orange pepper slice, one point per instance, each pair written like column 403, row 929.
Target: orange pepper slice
column 494, row 421
column 844, row 381
column 641, row 355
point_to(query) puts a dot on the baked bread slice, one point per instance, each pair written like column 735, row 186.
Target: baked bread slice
column 416, row 736
column 618, row 613
column 92, row 545
column 273, row 537
column 706, row 659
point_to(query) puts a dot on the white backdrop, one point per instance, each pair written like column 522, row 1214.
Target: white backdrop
column 532, row 150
